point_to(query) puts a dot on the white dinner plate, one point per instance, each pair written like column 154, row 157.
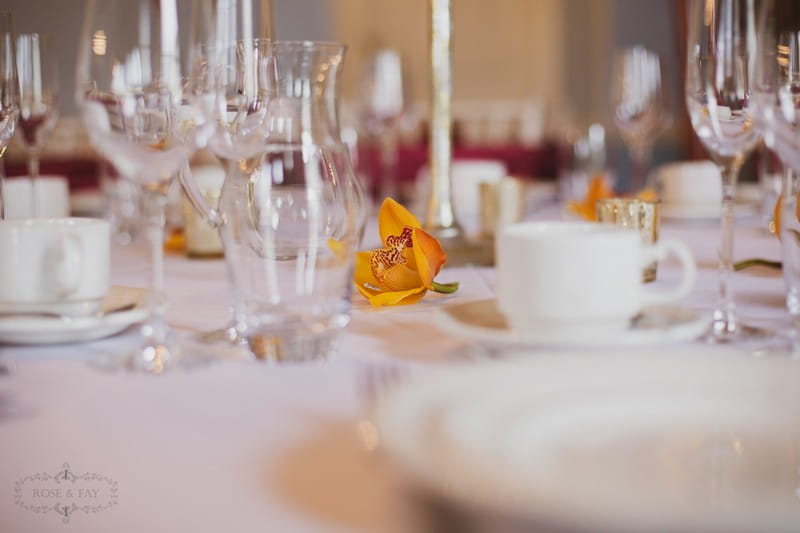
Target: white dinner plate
column 683, row 442
column 481, row 321
column 34, row 330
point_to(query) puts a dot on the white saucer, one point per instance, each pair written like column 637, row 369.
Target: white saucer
column 33, row 330
column 626, row 443
column 482, row 322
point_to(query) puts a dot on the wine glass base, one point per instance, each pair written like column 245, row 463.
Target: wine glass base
column 226, row 336
column 156, row 358
column 786, row 344
column 725, row 332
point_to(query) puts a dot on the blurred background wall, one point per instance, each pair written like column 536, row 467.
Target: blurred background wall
column 555, row 54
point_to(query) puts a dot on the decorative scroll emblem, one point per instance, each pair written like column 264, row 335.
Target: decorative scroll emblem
column 65, row 492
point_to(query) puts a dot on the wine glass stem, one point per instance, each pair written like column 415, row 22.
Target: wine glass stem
column 640, row 161
column 33, row 174
column 154, row 207
column 790, row 255
column 388, row 161
column 725, row 314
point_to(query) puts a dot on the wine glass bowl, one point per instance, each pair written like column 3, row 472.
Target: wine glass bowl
column 38, row 82
column 382, row 107
column 641, row 107
column 9, row 90
column 9, row 85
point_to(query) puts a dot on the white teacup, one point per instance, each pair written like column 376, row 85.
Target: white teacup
column 579, row 277
column 690, row 184
column 54, row 265
column 52, row 197
column 467, row 176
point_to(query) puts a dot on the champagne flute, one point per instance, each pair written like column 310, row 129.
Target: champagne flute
column 144, row 112
column 721, row 52
column 38, row 84
column 382, row 107
column 641, row 107
column 9, row 91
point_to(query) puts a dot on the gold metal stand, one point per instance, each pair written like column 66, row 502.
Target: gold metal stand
column 440, row 220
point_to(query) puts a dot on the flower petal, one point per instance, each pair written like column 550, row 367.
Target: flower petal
column 339, row 248
column 362, row 273
column 399, row 278
column 393, row 217
column 428, row 256
column 381, row 298
column 598, row 190
column 389, row 278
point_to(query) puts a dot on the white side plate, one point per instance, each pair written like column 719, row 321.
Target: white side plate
column 33, row 330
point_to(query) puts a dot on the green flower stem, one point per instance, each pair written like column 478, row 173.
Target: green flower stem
column 747, row 263
column 445, row 288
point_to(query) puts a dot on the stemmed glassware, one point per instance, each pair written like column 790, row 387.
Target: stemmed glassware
column 9, row 91
column 240, row 79
column 777, row 114
column 721, row 55
column 144, row 111
column 641, row 107
column 382, row 107
column 242, row 29
column 38, row 83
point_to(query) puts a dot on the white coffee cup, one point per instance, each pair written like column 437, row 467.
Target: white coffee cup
column 467, row 176
column 690, row 184
column 54, row 265
column 52, row 197
column 579, row 277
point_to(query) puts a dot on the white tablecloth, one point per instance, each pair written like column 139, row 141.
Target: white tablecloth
column 238, row 446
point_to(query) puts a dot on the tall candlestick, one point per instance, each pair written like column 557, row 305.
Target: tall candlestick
column 440, row 219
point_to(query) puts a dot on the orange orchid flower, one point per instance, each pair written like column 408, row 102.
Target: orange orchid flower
column 598, row 190
column 403, row 270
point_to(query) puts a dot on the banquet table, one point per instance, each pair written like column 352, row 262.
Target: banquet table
column 238, row 445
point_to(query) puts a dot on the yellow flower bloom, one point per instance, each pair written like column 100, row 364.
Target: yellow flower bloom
column 404, row 269
column 598, row 190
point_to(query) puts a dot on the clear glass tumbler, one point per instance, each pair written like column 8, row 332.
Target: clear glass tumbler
column 293, row 219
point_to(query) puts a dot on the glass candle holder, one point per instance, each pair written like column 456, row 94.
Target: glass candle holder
column 640, row 215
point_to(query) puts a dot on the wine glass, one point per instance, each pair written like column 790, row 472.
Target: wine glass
column 719, row 73
column 777, row 114
column 641, row 107
column 242, row 29
column 145, row 113
column 241, row 79
column 9, row 91
column 38, row 84
column 382, row 107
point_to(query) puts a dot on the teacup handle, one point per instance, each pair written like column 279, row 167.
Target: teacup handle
column 68, row 262
column 659, row 252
